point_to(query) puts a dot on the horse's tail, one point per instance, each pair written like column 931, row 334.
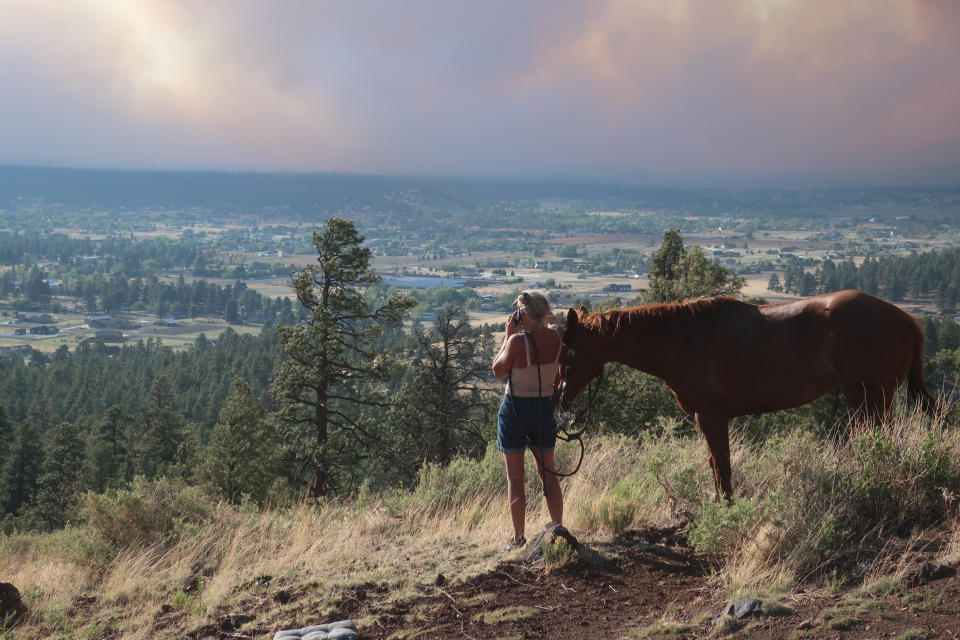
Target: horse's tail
column 915, row 388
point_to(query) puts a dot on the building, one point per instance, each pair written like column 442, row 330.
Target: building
column 618, row 287
column 107, row 322
column 44, row 330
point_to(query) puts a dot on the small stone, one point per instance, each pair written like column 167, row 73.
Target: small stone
column 924, row 572
column 744, row 608
column 805, row 624
column 283, row 596
column 441, row 580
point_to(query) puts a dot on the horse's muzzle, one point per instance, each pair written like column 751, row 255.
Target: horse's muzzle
column 561, row 400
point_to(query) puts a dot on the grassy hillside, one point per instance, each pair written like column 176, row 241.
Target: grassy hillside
column 162, row 560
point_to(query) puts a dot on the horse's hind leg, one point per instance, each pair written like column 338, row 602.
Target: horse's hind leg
column 868, row 404
column 717, row 435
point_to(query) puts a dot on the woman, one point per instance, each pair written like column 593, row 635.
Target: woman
column 528, row 357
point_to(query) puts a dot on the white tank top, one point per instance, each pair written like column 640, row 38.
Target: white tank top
column 525, row 381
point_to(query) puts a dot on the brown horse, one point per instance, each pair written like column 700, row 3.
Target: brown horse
column 724, row 358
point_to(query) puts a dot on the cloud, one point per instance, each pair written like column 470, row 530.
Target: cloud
column 850, row 90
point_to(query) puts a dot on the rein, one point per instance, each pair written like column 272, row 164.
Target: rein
column 562, row 433
column 586, row 419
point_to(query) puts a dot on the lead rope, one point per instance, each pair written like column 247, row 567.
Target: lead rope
column 565, row 436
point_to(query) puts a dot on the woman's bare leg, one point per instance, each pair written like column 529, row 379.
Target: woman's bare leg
column 515, row 492
column 552, row 485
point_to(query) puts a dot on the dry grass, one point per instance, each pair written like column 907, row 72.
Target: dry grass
column 798, row 502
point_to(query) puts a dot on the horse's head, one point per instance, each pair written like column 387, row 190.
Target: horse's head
column 579, row 363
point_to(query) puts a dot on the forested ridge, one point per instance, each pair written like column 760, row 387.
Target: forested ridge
column 933, row 275
column 238, row 415
column 336, row 396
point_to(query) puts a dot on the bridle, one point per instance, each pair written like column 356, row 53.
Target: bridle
column 560, row 401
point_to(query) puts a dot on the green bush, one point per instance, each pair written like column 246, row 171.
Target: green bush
column 802, row 498
column 722, row 527
column 147, row 512
column 441, row 488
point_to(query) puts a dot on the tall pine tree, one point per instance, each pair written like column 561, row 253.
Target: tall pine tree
column 320, row 390
column 61, row 479
column 21, row 470
column 242, row 455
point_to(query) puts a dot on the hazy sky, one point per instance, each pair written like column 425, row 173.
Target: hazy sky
column 863, row 91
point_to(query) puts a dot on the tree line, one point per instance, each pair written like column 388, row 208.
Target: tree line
column 934, row 275
column 342, row 397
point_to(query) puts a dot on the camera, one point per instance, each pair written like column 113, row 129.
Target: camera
column 515, row 318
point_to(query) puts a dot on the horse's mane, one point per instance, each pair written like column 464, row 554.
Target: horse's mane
column 612, row 323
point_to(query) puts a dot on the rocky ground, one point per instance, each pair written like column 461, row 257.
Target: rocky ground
column 642, row 584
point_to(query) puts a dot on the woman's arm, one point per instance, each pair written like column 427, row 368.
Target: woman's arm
column 504, row 360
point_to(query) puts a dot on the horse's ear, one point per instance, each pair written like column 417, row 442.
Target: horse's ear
column 572, row 319
column 583, row 310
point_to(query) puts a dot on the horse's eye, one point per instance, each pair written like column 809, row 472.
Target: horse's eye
column 571, row 352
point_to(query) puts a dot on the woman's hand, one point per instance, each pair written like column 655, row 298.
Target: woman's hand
column 510, row 328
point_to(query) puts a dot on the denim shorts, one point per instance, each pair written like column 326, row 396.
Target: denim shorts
column 518, row 426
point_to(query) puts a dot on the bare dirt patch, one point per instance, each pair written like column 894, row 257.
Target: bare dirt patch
column 643, row 584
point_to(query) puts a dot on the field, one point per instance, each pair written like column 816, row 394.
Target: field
column 74, row 329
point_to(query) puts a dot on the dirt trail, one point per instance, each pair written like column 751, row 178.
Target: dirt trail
column 603, row 595
column 642, row 584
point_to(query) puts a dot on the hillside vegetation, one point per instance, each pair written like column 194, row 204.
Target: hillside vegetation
column 161, row 559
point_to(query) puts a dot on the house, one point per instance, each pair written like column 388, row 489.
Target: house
column 107, row 322
column 618, row 287
column 98, row 322
column 44, row 330
column 20, row 331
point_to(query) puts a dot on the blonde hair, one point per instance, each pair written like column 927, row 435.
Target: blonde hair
column 534, row 304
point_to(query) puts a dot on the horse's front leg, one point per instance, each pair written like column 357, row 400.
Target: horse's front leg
column 717, row 435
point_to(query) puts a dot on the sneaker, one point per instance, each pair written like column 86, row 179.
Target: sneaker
column 513, row 545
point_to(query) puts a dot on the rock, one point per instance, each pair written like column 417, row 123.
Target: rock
column 805, row 624
column 233, row 622
column 741, row 609
column 441, row 580
column 12, row 608
column 343, row 630
column 533, row 553
column 282, row 597
column 924, row 572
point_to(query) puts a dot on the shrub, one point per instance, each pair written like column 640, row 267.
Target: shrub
column 802, row 497
column 555, row 552
column 146, row 513
column 614, row 511
column 441, row 488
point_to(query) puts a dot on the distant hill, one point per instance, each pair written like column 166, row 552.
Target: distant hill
column 301, row 192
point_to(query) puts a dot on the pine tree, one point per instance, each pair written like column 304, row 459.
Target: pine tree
column 773, row 284
column 61, row 479
column 21, row 469
column 231, row 312
column 440, row 407
column 161, row 431
column 320, row 389
column 242, row 455
column 107, row 454
column 678, row 274
column 6, row 435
